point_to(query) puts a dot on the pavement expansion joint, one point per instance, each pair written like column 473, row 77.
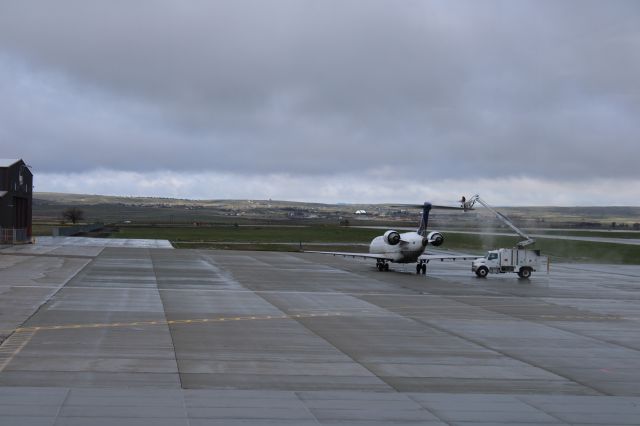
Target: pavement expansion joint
column 13, row 345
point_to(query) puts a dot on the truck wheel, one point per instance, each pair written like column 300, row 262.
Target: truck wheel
column 482, row 271
column 524, row 273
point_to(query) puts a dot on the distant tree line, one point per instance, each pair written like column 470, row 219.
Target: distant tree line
column 635, row 226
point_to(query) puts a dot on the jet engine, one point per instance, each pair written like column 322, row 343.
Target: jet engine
column 435, row 238
column 392, row 237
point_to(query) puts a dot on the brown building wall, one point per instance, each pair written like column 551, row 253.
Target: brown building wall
column 16, row 204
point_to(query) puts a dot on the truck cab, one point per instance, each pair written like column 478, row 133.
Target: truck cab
column 482, row 266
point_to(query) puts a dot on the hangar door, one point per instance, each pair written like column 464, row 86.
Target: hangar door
column 21, row 206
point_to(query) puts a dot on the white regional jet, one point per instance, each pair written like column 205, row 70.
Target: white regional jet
column 406, row 247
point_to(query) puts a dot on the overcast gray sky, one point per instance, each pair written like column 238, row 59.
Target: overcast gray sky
column 525, row 102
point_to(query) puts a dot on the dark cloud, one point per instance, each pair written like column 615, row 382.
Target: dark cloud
column 448, row 89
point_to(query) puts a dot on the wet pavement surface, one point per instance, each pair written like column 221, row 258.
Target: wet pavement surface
column 141, row 335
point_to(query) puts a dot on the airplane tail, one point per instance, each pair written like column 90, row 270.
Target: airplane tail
column 426, row 208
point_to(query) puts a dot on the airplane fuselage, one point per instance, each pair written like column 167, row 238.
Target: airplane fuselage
column 407, row 250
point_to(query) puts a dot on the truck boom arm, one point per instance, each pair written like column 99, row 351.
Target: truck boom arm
column 468, row 204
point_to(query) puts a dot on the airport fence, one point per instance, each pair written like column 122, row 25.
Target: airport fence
column 14, row 236
column 68, row 231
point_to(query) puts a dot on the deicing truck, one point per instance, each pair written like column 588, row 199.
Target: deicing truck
column 519, row 259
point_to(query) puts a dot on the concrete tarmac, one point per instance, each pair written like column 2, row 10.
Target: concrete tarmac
column 137, row 336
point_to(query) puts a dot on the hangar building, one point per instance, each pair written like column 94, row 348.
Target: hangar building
column 16, row 190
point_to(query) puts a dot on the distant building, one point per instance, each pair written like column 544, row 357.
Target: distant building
column 16, row 191
column 361, row 212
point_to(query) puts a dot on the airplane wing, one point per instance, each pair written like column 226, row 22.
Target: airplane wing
column 348, row 254
column 443, row 257
column 427, row 257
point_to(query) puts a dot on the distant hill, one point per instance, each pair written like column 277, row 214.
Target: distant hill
column 48, row 206
column 64, row 198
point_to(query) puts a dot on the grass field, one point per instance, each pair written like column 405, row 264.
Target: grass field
column 39, row 229
column 253, row 234
column 283, row 225
column 328, row 237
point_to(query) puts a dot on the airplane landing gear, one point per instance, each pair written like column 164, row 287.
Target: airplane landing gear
column 382, row 265
column 421, row 268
